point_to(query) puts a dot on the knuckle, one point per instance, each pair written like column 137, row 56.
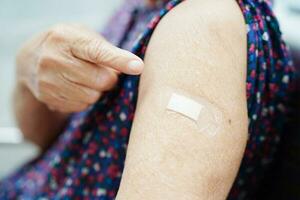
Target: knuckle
column 88, row 95
column 58, row 32
column 55, row 36
column 98, row 51
column 104, row 80
column 44, row 62
column 67, row 78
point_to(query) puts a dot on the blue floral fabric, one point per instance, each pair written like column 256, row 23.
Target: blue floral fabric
column 87, row 160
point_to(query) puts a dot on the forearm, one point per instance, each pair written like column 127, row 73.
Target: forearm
column 37, row 123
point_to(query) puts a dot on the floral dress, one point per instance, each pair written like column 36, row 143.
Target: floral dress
column 87, row 160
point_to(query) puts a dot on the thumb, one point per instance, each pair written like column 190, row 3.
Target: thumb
column 100, row 52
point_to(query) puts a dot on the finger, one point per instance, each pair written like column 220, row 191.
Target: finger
column 57, row 85
column 74, row 92
column 60, row 104
column 68, row 106
column 97, row 50
column 91, row 76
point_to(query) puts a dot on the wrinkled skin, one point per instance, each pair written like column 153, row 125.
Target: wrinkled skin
column 69, row 66
column 61, row 71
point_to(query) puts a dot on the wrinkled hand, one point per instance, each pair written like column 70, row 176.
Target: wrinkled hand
column 69, row 66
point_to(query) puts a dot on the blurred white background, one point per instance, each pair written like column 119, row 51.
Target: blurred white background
column 19, row 20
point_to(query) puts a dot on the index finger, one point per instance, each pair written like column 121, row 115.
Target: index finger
column 100, row 52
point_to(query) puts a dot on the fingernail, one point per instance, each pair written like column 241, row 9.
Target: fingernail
column 136, row 66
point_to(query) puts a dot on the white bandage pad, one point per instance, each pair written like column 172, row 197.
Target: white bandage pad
column 185, row 106
column 207, row 117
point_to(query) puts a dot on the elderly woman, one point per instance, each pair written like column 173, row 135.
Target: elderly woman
column 205, row 124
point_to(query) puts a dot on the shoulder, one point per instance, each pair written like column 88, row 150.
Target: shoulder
column 201, row 29
column 200, row 47
column 194, row 24
column 208, row 14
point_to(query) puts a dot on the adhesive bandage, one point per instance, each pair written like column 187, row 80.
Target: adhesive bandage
column 185, row 106
column 207, row 117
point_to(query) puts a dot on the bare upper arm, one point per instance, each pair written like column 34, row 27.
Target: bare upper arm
column 198, row 50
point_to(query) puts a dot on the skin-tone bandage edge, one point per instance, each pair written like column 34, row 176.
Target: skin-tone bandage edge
column 192, row 109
